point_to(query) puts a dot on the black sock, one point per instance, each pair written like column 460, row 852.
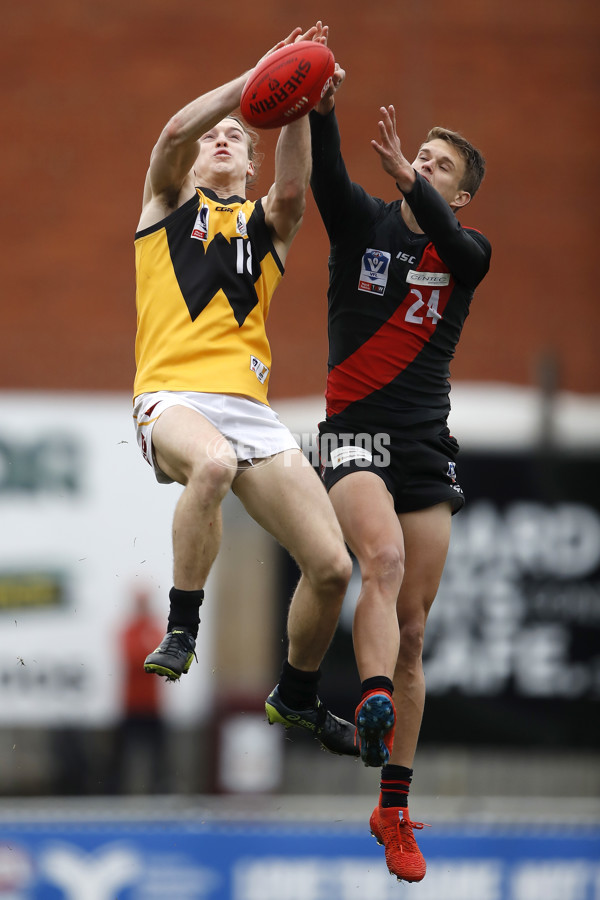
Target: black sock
column 185, row 610
column 298, row 689
column 395, row 785
column 377, row 683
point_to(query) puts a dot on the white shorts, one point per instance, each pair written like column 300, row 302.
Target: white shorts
column 252, row 428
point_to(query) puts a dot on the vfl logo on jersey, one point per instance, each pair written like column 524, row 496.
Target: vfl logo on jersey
column 260, row 370
column 200, row 229
column 374, row 271
column 241, row 226
column 431, row 279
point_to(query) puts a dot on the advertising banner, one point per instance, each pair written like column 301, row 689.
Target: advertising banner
column 84, row 526
column 266, row 861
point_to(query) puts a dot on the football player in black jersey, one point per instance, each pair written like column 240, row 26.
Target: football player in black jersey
column 401, row 278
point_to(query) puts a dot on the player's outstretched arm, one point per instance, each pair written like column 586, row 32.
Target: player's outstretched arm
column 177, row 147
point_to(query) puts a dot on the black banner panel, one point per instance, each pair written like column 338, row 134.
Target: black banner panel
column 512, row 647
column 512, row 652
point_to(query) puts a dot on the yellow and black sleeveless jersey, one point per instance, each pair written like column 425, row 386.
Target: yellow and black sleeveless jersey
column 205, row 277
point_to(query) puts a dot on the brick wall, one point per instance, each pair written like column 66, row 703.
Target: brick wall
column 88, row 87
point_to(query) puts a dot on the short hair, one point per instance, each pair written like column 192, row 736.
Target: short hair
column 474, row 161
column 254, row 155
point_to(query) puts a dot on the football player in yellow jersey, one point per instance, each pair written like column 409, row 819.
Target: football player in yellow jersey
column 207, row 263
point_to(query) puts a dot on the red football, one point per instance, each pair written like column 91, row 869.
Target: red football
column 287, row 84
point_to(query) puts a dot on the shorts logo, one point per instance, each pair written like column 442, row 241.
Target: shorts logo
column 451, row 473
column 200, row 229
column 148, row 412
column 346, row 454
column 374, row 271
column 144, row 446
column 430, row 279
column 260, row 370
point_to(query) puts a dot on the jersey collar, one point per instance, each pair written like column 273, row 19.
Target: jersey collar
column 213, row 196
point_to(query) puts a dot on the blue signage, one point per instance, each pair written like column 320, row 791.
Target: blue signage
column 280, row 861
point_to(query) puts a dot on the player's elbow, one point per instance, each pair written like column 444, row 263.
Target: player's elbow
column 291, row 204
column 292, row 192
column 298, row 206
column 174, row 132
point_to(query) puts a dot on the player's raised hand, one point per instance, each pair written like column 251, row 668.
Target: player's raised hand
column 389, row 149
column 292, row 37
column 318, row 33
column 327, row 101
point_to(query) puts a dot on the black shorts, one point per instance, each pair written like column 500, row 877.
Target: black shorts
column 418, row 471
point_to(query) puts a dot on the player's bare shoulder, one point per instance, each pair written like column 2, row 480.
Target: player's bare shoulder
column 156, row 206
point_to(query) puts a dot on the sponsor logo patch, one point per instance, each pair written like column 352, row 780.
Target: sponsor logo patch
column 260, row 370
column 241, row 226
column 200, row 229
column 345, row 454
column 431, row 279
column 374, row 271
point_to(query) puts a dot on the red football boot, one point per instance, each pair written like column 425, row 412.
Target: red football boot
column 375, row 719
column 393, row 828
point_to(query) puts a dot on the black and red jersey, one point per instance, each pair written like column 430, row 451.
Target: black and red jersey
column 397, row 299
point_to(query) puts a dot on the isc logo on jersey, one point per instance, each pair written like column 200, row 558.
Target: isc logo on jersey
column 374, row 271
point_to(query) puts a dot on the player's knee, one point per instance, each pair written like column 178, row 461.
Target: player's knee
column 412, row 636
column 213, row 475
column 384, row 564
column 332, row 576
